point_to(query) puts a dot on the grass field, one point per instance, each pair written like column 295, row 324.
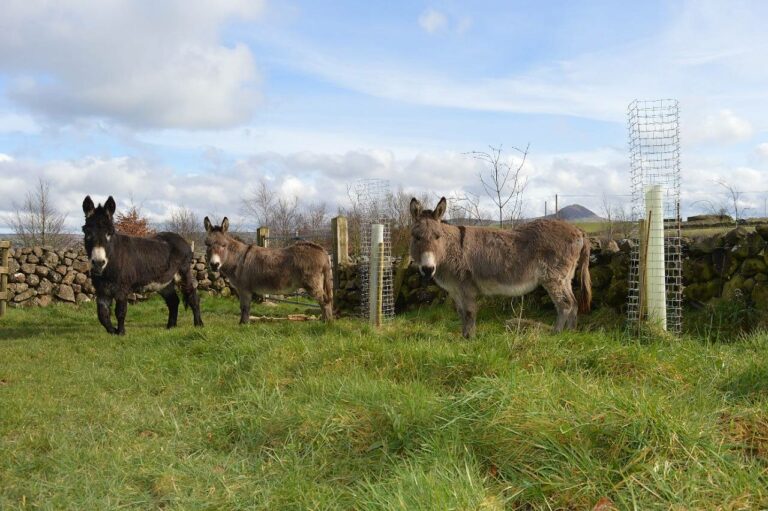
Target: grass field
column 308, row 416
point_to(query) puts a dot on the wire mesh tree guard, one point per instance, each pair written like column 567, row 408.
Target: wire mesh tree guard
column 371, row 196
column 655, row 277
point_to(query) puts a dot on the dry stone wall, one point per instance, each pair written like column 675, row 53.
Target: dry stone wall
column 718, row 267
column 39, row 276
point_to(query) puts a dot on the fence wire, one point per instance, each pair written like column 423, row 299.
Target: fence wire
column 654, row 155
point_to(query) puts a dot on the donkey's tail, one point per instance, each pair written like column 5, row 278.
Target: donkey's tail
column 585, row 291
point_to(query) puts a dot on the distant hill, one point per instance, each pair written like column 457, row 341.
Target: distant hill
column 572, row 213
column 577, row 213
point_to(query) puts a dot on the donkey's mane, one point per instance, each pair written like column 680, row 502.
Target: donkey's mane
column 309, row 243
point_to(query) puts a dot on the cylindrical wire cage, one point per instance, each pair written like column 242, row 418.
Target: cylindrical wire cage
column 654, row 153
column 371, row 195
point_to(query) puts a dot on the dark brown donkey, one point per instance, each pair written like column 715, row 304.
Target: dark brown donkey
column 472, row 261
column 122, row 264
column 252, row 269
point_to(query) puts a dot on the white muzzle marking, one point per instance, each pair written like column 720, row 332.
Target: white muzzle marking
column 216, row 260
column 99, row 258
column 427, row 261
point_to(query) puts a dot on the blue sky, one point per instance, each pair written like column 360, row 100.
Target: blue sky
column 193, row 102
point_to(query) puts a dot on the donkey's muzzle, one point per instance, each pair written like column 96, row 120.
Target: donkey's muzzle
column 427, row 271
column 97, row 267
column 215, row 266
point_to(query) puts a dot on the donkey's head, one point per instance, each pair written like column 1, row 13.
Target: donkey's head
column 216, row 243
column 99, row 231
column 427, row 243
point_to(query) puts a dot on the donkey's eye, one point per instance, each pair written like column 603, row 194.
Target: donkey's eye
column 437, row 236
column 417, row 237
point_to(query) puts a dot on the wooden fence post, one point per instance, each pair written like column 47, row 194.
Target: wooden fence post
column 262, row 233
column 340, row 251
column 5, row 247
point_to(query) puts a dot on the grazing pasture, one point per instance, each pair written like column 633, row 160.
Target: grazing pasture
column 337, row 416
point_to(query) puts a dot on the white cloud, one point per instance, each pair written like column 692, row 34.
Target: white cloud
column 432, row 21
column 112, row 59
column 723, row 126
column 578, row 177
column 762, row 151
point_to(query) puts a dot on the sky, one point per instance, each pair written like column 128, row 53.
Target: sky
column 190, row 103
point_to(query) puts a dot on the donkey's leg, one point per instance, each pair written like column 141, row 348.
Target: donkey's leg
column 193, row 299
column 572, row 314
column 314, row 287
column 121, row 309
column 466, row 305
column 104, row 306
column 470, row 318
column 458, row 299
column 245, row 306
column 559, row 296
column 189, row 290
column 172, row 302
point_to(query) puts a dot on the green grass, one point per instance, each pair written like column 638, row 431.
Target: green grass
column 691, row 231
column 309, row 416
column 592, row 228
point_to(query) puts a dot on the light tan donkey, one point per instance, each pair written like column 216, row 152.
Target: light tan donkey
column 252, row 269
column 471, row 261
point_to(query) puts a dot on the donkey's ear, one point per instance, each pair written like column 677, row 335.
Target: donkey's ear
column 110, row 206
column 207, row 224
column 225, row 224
column 439, row 211
column 88, row 207
column 415, row 208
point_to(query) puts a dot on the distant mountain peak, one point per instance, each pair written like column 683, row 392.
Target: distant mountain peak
column 574, row 212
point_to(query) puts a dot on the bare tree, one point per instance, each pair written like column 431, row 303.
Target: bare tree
column 268, row 209
column 733, row 203
column 314, row 217
column 618, row 221
column 186, row 223
column 504, row 182
column 624, row 224
column 608, row 208
column 259, row 202
column 36, row 222
column 465, row 208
